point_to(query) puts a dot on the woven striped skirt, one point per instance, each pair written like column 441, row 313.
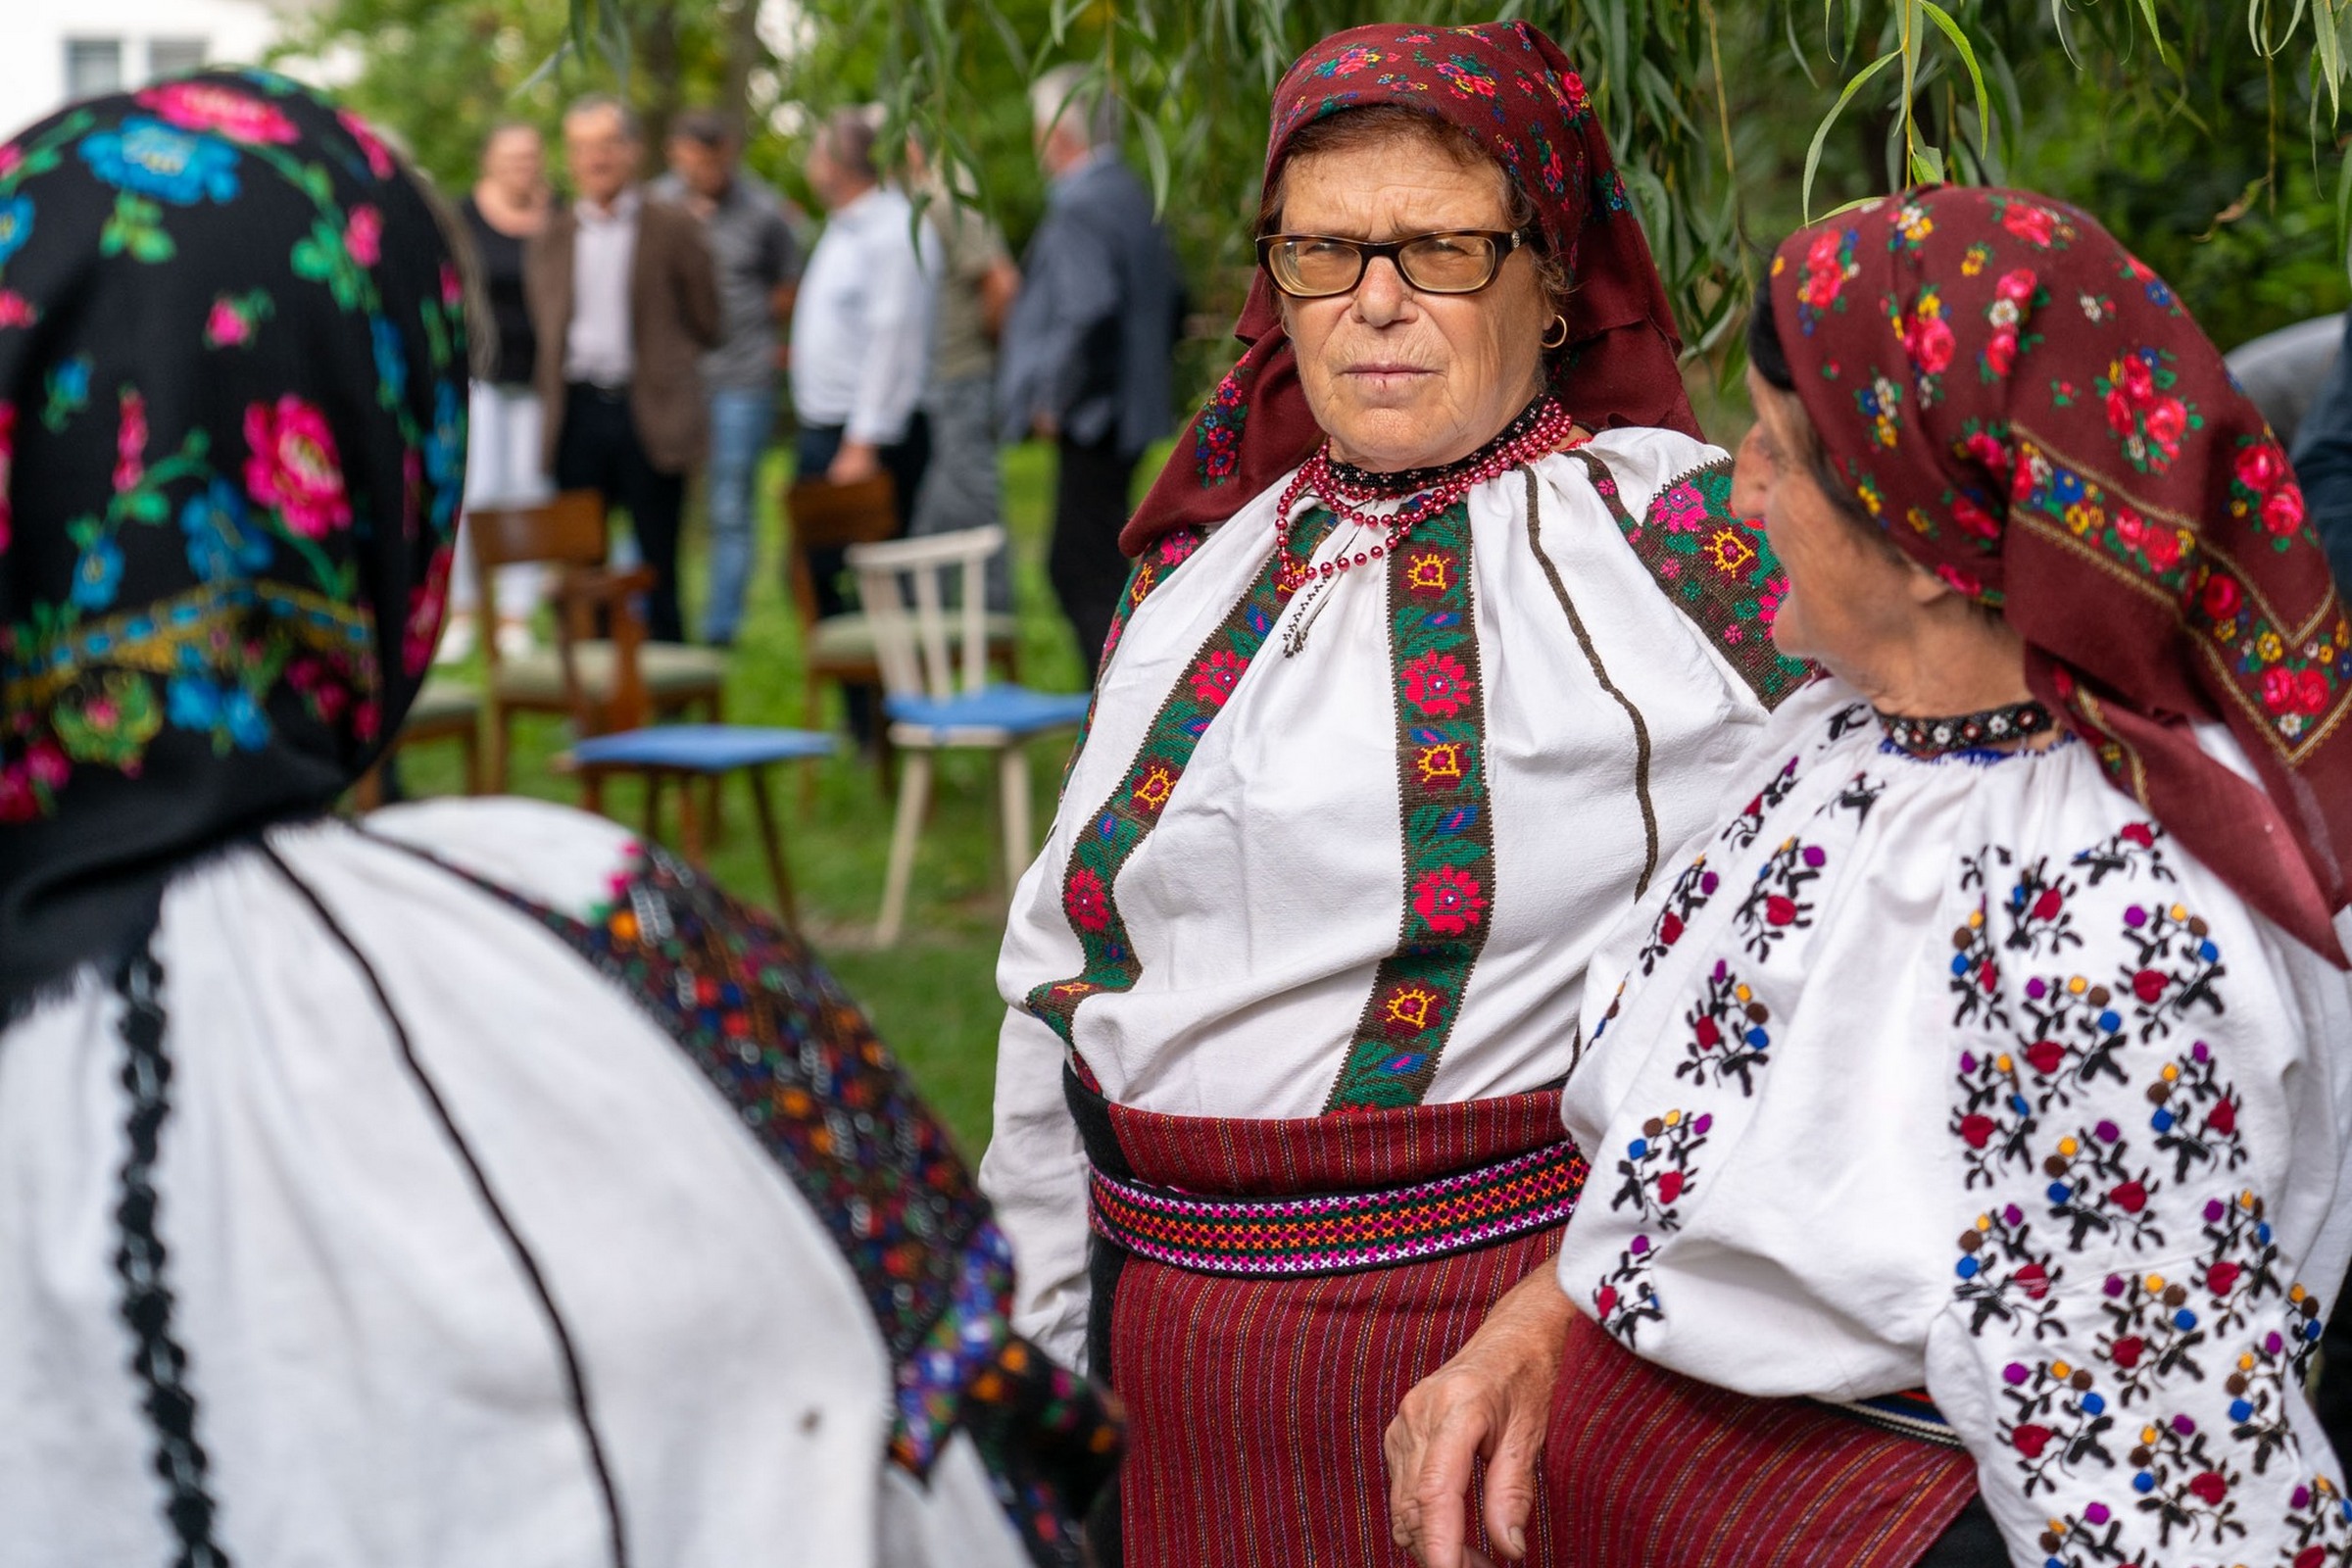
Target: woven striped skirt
column 1647, row 1469
column 1267, row 1291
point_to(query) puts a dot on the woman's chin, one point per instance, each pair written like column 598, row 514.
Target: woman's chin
column 1404, row 436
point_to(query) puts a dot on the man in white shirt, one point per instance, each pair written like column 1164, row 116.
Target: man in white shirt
column 860, row 330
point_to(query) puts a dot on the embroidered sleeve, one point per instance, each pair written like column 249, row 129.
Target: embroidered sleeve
column 1713, row 565
column 2124, row 1348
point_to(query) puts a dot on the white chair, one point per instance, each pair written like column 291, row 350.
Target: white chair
column 938, row 697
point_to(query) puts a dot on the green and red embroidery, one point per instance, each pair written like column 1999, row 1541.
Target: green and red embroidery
column 1448, row 817
column 1154, row 566
column 1118, row 828
column 1713, row 566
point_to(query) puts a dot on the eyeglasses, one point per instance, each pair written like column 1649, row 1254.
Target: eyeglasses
column 1453, row 260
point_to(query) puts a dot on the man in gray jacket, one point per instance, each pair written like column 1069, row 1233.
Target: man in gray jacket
column 1086, row 357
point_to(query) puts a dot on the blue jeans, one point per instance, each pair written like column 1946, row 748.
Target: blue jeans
column 741, row 421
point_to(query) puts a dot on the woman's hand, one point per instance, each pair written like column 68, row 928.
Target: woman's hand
column 1491, row 1402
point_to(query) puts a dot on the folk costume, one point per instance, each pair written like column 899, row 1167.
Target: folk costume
column 2015, row 1076
column 472, row 1187
column 1291, row 986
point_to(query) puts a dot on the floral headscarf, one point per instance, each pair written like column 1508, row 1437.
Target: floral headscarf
column 2027, row 409
column 1514, row 93
column 232, row 441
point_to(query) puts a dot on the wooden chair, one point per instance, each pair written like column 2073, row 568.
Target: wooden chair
column 445, row 709
column 840, row 648
column 568, row 531
column 617, row 739
column 939, row 695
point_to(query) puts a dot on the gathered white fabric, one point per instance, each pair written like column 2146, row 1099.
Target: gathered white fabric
column 375, row 1380
column 1959, row 1072
column 1274, row 883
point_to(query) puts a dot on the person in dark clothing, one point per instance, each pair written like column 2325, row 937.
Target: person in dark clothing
column 625, row 300
column 1085, row 352
column 2323, row 459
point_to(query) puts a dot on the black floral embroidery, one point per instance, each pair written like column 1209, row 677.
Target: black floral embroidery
column 1859, row 794
column 2184, row 1483
column 2152, row 1333
column 2196, row 1114
column 2133, row 851
column 2041, row 919
column 2240, row 1265
column 1742, row 830
column 1728, row 1037
column 2095, row 1190
column 2076, row 1540
column 1777, row 904
column 2260, row 1407
column 1689, row 893
column 1976, row 976
column 2174, row 965
column 2005, row 1278
column 2059, row 1421
column 1994, row 1120
column 1656, row 1168
column 2074, row 1037
column 1848, row 719
column 1626, row 1299
column 2322, row 1521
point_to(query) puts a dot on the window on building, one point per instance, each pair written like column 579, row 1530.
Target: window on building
column 93, row 65
column 173, row 57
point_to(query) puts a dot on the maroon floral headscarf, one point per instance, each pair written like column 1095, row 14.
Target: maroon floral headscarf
column 233, row 437
column 2027, row 409
column 1512, row 90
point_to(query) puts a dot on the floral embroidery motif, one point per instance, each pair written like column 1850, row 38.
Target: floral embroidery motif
column 1728, row 1037
column 1689, row 893
column 1776, row 905
column 1829, row 265
column 1217, row 434
column 1151, row 570
column 1657, row 1174
column 1713, row 564
column 1119, row 827
column 1447, row 822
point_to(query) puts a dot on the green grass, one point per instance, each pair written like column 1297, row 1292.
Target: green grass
column 933, row 998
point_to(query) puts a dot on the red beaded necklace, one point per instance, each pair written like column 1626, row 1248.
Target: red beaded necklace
column 1529, row 438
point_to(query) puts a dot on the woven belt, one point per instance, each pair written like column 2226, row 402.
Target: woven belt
column 1340, row 1233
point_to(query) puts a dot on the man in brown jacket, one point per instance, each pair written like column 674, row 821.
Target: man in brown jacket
column 625, row 299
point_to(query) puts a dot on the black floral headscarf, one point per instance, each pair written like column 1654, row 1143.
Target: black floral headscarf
column 232, row 359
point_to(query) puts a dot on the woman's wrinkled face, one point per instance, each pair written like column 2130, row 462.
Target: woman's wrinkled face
column 1850, row 596
column 1396, row 378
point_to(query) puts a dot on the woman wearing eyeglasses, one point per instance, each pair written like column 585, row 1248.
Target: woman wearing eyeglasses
column 1440, row 634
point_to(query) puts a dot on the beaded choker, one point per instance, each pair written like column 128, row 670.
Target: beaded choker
column 1936, row 737
column 1346, row 490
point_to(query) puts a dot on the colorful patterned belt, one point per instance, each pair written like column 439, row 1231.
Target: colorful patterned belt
column 1340, row 1233
column 1912, row 1414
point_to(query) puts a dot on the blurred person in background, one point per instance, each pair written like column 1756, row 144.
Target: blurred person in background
column 977, row 281
column 508, row 205
column 758, row 261
column 1086, row 350
column 625, row 302
column 860, row 333
column 2322, row 458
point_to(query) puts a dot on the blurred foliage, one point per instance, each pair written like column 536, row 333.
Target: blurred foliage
column 2203, row 131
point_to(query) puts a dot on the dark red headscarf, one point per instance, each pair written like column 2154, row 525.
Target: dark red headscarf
column 1514, row 93
column 2027, row 409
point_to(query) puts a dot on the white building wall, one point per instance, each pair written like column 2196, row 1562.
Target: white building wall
column 35, row 34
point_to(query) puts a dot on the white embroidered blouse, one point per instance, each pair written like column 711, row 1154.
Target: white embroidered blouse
column 1372, row 872
column 1960, row 1072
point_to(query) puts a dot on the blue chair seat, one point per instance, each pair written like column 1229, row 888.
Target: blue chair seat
column 701, row 747
column 1009, row 711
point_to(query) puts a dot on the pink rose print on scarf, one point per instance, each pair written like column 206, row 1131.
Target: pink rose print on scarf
column 371, row 146
column 291, row 465
column 26, row 785
column 363, row 235
column 209, row 106
column 131, row 443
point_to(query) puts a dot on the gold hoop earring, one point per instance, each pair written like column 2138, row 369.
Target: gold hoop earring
column 1550, row 342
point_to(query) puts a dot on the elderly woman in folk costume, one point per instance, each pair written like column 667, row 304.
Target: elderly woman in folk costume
column 1441, row 635
column 1987, row 1075
column 469, row 1186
